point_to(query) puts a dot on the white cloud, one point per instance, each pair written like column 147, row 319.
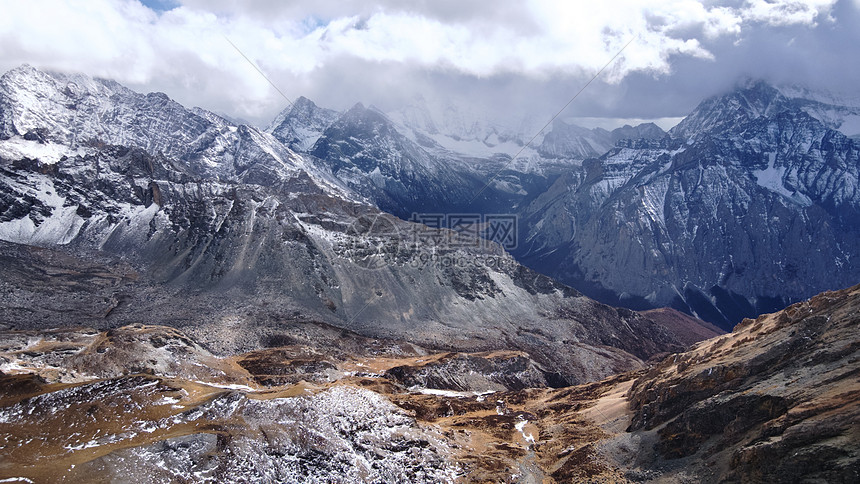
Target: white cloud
column 787, row 12
column 184, row 51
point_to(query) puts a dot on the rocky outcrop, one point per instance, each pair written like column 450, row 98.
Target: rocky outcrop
column 776, row 400
column 145, row 428
column 476, row 373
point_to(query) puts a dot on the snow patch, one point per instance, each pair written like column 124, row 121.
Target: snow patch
column 451, row 393
column 521, row 426
column 771, row 179
column 18, row 148
column 228, row 386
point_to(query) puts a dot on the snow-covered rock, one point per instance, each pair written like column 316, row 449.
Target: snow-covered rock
column 754, row 204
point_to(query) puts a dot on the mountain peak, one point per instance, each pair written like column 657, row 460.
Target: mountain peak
column 752, row 83
column 300, row 125
column 303, row 101
column 752, row 98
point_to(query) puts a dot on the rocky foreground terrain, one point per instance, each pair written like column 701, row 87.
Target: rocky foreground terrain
column 777, row 400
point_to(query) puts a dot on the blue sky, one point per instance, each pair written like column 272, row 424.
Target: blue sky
column 160, row 5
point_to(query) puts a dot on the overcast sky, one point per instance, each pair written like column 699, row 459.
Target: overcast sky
column 509, row 58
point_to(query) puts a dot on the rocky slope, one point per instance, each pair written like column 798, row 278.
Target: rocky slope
column 687, row 329
column 777, row 400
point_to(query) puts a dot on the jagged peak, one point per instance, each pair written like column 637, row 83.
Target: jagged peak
column 752, row 98
column 359, row 112
column 303, row 101
column 302, row 115
column 749, row 99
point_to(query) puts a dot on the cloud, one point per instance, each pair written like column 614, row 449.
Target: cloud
column 786, row 12
column 350, row 50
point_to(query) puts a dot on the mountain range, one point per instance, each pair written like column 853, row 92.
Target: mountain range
column 225, row 230
column 364, row 296
column 713, row 218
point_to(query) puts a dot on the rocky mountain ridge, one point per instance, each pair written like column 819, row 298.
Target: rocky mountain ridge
column 720, row 225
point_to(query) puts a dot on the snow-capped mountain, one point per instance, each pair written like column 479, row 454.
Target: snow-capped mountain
column 74, row 114
column 365, row 149
column 407, row 162
column 419, row 160
column 754, row 203
column 301, row 125
column 756, row 98
column 228, row 228
column 750, row 165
